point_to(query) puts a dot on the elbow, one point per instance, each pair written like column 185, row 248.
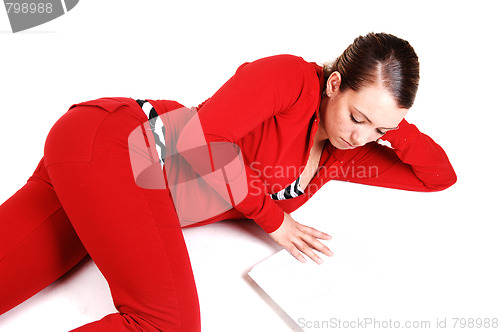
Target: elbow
column 444, row 183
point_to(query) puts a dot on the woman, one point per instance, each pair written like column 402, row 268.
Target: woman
column 263, row 144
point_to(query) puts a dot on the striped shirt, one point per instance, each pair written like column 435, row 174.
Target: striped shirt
column 293, row 190
column 157, row 128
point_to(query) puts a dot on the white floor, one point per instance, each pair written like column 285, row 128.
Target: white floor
column 414, row 257
column 221, row 255
column 419, row 256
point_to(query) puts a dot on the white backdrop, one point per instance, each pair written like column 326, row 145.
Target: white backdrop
column 438, row 252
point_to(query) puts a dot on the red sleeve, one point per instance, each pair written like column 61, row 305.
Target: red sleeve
column 257, row 92
column 415, row 162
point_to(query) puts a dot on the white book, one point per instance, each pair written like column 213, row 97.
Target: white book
column 309, row 292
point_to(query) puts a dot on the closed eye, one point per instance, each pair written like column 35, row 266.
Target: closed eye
column 354, row 120
column 360, row 122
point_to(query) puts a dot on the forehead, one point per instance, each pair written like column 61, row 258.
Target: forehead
column 377, row 104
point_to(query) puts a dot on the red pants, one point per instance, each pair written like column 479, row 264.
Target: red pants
column 82, row 199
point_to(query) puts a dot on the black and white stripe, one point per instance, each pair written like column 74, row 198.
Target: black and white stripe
column 157, row 128
column 293, row 190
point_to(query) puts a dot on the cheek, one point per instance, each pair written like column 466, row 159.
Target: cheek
column 331, row 124
column 338, row 121
column 342, row 122
column 345, row 123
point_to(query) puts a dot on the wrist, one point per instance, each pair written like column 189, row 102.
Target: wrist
column 272, row 227
column 397, row 136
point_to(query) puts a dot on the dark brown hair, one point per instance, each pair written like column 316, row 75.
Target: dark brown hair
column 379, row 58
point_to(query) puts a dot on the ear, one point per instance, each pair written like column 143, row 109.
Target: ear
column 333, row 83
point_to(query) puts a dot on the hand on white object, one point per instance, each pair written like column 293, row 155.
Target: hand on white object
column 297, row 238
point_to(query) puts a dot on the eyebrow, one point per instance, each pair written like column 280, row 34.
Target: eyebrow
column 367, row 119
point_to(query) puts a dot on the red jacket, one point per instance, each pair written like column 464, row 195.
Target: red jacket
column 270, row 109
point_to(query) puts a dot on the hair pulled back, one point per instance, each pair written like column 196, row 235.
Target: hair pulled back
column 379, row 58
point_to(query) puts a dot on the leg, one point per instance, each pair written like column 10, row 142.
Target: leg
column 37, row 242
column 132, row 234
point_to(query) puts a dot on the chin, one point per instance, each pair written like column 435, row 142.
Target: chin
column 340, row 144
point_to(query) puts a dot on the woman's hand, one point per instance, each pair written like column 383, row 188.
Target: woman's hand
column 297, row 238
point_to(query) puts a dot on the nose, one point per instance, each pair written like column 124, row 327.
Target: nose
column 360, row 137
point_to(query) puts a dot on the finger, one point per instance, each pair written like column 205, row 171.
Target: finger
column 317, row 234
column 296, row 253
column 314, row 243
column 304, row 247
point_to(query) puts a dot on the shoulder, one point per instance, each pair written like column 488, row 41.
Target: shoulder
column 281, row 59
column 287, row 73
column 281, row 63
